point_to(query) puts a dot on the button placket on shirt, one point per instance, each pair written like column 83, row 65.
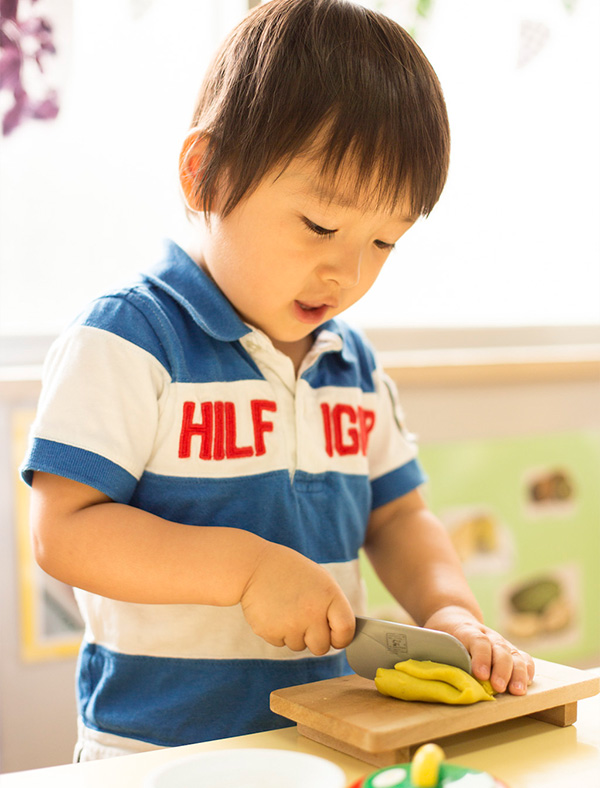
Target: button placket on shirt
column 306, row 433
column 278, row 371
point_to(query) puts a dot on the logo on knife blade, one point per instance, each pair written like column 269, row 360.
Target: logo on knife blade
column 397, row 644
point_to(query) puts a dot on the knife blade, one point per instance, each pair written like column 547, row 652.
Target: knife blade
column 381, row 644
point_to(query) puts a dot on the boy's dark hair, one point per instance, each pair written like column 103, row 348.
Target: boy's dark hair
column 295, row 68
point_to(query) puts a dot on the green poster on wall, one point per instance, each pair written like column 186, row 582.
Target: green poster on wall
column 524, row 516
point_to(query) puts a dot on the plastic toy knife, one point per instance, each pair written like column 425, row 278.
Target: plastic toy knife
column 380, row 644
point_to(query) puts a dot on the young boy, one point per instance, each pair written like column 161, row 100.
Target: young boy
column 213, row 446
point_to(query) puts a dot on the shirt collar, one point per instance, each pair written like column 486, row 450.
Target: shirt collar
column 188, row 284
column 334, row 336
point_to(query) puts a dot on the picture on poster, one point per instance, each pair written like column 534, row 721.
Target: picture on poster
column 541, row 611
column 483, row 543
column 549, row 491
column 523, row 514
column 51, row 626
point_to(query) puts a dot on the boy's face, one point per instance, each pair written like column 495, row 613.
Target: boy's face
column 293, row 255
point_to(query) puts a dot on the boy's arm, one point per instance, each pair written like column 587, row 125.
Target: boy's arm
column 83, row 538
column 414, row 557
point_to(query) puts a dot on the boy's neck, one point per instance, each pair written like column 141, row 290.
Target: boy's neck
column 296, row 351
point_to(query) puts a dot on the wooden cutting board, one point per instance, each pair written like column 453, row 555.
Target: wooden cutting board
column 348, row 713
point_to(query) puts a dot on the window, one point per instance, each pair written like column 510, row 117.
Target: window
column 515, row 238
column 85, row 199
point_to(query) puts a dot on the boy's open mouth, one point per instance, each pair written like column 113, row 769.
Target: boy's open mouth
column 310, row 313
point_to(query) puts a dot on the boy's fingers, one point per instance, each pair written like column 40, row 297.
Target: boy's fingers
column 341, row 622
column 492, row 657
column 480, row 649
column 518, row 681
column 512, row 669
column 318, row 638
column 294, row 641
column 530, row 668
column 502, row 667
column 523, row 672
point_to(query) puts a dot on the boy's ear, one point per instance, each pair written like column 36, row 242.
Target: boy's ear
column 191, row 162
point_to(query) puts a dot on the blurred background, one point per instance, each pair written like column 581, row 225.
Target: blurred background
column 487, row 314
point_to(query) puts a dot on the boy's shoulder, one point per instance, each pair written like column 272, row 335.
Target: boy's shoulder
column 170, row 280
column 170, row 306
column 130, row 312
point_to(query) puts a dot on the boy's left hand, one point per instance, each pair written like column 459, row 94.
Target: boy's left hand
column 492, row 657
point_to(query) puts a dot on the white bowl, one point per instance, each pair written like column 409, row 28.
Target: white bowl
column 256, row 768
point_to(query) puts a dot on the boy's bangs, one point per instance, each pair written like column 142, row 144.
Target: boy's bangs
column 376, row 169
column 333, row 81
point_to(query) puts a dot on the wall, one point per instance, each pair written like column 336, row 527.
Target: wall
column 37, row 712
column 497, row 425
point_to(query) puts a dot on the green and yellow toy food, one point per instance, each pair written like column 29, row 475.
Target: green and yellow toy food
column 428, row 770
column 425, row 766
column 432, row 682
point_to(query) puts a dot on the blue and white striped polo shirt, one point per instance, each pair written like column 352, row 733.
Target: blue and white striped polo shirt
column 162, row 398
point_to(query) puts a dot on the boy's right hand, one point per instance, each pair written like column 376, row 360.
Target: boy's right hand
column 291, row 601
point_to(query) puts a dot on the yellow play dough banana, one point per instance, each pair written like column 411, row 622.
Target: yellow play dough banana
column 425, row 766
column 431, row 682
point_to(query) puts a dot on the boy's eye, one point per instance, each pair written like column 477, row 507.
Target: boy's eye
column 318, row 230
column 325, row 233
column 385, row 246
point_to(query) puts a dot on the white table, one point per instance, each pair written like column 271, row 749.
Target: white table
column 524, row 753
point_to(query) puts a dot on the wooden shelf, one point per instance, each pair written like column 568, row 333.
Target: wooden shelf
column 493, row 365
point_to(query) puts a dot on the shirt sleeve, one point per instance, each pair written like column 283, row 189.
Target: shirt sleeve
column 98, row 411
column 394, row 467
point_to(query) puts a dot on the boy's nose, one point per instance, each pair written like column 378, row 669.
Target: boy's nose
column 344, row 268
